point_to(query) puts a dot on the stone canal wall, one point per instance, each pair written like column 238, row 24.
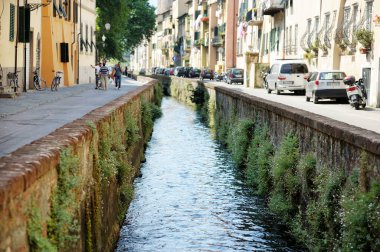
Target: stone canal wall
column 320, row 177
column 69, row 191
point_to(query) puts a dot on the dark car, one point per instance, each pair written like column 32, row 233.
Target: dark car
column 179, row 71
column 235, row 75
column 207, row 74
column 194, row 72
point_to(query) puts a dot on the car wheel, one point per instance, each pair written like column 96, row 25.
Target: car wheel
column 269, row 91
column 315, row 99
column 278, row 92
column 307, row 99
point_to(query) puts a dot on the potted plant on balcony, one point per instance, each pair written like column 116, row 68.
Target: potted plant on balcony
column 204, row 19
column 365, row 37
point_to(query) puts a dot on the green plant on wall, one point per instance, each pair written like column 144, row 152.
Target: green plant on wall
column 63, row 228
column 365, row 37
column 259, row 161
column 286, row 183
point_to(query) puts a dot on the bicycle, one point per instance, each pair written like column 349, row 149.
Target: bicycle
column 56, row 81
column 38, row 81
column 13, row 80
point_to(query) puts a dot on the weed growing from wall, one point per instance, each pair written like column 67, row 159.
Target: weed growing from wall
column 238, row 139
column 259, row 161
column 63, row 226
column 158, row 94
column 131, row 130
column 286, row 182
column 36, row 229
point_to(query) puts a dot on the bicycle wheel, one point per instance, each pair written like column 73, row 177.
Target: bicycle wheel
column 54, row 85
column 12, row 84
column 36, row 84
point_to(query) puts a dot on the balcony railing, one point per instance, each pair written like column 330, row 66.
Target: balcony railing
column 217, row 41
column 271, row 7
column 255, row 16
column 222, row 29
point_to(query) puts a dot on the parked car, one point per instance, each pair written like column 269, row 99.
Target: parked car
column 194, row 72
column 158, row 71
column 326, row 85
column 187, row 71
column 207, row 74
column 153, row 70
column 287, row 75
column 234, row 75
column 179, row 71
column 142, row 71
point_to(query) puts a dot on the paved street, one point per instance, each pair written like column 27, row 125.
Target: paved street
column 37, row 113
column 367, row 119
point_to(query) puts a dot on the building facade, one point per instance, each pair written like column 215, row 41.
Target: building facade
column 252, row 34
column 56, row 41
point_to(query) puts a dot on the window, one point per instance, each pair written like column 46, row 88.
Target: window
column 294, row 69
column 332, row 76
column 64, row 52
column 355, row 16
column 368, row 15
column 291, row 38
column 287, row 40
column 346, row 22
column 295, row 38
column 12, row 23
column 316, row 25
column 327, row 20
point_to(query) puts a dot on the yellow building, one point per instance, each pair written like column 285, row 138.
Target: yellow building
column 18, row 56
column 55, row 33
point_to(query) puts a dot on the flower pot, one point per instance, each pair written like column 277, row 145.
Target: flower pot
column 204, row 19
column 363, row 50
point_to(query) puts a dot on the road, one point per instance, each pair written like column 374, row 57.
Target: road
column 369, row 118
column 38, row 113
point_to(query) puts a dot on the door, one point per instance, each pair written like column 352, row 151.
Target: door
column 367, row 81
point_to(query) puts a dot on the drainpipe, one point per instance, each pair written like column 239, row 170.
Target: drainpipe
column 283, row 44
column 80, row 22
column 24, row 86
column 16, row 44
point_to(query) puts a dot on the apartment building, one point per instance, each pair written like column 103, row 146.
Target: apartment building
column 252, row 34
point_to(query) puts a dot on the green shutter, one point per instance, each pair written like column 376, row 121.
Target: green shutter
column 12, row 23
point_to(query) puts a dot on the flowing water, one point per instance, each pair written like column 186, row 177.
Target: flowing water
column 191, row 197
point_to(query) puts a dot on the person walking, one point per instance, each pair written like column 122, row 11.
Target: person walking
column 117, row 74
column 97, row 78
column 103, row 74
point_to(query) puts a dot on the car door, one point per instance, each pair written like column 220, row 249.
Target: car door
column 272, row 76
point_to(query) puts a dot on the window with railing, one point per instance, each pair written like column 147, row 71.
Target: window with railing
column 295, row 39
column 346, row 22
column 368, row 15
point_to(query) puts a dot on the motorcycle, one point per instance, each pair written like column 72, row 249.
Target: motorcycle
column 218, row 77
column 356, row 92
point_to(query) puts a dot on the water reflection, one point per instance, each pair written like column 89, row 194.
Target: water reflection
column 191, row 197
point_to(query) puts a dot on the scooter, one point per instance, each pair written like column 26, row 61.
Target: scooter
column 218, row 77
column 356, row 92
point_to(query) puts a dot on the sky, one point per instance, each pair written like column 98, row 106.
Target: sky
column 153, row 2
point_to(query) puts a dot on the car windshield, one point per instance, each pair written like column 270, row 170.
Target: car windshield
column 332, row 76
column 237, row 71
column 294, row 69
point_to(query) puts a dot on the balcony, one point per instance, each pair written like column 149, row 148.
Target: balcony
column 222, row 29
column 187, row 45
column 197, row 43
column 217, row 41
column 271, row 7
column 254, row 17
column 206, row 42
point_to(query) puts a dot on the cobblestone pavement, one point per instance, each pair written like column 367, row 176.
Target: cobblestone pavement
column 35, row 114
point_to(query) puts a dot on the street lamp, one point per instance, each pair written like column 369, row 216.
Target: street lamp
column 104, row 39
column 108, row 26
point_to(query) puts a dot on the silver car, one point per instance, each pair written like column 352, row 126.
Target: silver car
column 326, row 85
column 288, row 75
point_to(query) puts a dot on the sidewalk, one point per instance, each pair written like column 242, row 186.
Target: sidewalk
column 37, row 113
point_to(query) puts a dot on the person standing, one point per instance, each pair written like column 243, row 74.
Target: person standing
column 103, row 74
column 117, row 75
column 97, row 78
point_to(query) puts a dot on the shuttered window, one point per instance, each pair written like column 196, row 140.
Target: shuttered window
column 12, row 23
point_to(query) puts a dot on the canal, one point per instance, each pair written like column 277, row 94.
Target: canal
column 191, row 197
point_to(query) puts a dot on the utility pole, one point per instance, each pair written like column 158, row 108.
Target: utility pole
column 25, row 39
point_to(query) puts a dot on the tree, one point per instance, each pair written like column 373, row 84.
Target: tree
column 131, row 21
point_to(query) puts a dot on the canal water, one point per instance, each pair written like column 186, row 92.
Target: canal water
column 191, row 197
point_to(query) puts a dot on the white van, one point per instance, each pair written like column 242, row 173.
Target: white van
column 287, row 75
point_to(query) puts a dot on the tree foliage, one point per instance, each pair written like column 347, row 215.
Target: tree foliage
column 131, row 21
